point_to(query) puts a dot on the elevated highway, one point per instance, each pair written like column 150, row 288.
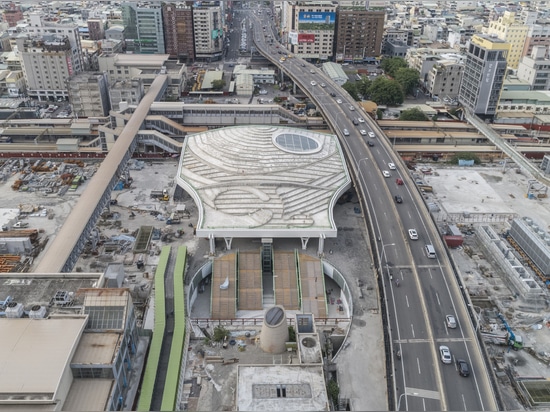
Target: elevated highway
column 415, row 312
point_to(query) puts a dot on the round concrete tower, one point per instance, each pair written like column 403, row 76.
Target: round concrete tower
column 274, row 331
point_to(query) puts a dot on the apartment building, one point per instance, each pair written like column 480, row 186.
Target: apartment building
column 12, row 14
column 143, row 28
column 484, row 72
column 537, row 35
column 513, row 32
column 178, row 30
column 96, row 29
column 443, row 80
column 38, row 26
column 359, row 35
column 89, row 95
column 208, row 24
column 535, row 69
column 425, row 58
column 311, row 28
column 47, row 65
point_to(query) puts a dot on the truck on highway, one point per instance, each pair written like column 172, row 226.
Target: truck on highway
column 160, row 195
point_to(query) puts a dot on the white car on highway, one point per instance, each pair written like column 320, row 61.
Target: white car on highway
column 338, row 101
column 386, row 173
column 413, row 235
column 391, row 166
column 361, row 120
column 313, row 83
column 371, row 134
column 445, row 354
column 363, row 132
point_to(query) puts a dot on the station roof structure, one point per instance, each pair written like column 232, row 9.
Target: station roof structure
column 264, row 181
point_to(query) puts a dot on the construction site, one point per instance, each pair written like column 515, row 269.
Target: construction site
column 503, row 224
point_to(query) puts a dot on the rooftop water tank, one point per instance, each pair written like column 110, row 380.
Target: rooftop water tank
column 274, row 331
column 528, row 220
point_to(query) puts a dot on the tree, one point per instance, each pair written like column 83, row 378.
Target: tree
column 351, row 89
column 218, row 84
column 363, row 86
column 386, row 91
column 408, row 79
column 413, row 115
column 392, row 64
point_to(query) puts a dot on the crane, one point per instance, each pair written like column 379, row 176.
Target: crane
column 515, row 342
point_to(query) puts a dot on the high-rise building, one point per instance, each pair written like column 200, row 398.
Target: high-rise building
column 484, row 73
column 513, row 32
column 538, row 35
column 208, row 32
column 96, row 29
column 12, row 14
column 535, row 69
column 178, row 30
column 38, row 27
column 310, row 28
column 89, row 94
column 359, row 34
column 143, row 28
column 47, row 65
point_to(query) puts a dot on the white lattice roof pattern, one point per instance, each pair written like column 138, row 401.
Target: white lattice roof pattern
column 264, row 181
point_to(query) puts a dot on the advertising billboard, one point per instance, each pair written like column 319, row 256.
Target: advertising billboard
column 293, row 37
column 316, row 20
column 306, row 38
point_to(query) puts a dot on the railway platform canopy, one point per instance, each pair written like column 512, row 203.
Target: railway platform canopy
column 264, row 182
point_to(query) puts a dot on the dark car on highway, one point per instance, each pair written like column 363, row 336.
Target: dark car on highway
column 463, row 368
column 398, row 199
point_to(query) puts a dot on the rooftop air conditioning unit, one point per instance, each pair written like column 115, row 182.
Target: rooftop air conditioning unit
column 37, row 312
column 14, row 310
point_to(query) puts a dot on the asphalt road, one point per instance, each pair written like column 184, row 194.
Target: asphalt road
column 427, row 289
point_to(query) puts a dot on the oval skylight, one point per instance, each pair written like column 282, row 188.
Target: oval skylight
column 296, row 143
